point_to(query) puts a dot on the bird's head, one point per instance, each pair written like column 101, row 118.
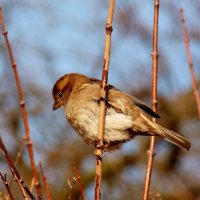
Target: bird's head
column 64, row 86
column 61, row 91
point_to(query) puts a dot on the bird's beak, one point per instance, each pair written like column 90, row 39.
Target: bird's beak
column 57, row 105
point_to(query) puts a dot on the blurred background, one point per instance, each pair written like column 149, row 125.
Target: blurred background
column 51, row 38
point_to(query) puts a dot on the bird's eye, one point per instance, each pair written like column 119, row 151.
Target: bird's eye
column 60, row 95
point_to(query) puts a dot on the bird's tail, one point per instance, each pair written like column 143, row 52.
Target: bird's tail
column 174, row 137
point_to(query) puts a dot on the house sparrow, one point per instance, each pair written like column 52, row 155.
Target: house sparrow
column 126, row 116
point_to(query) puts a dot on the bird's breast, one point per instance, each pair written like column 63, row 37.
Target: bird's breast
column 84, row 118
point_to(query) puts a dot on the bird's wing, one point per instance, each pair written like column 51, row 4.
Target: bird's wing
column 115, row 95
column 117, row 99
column 144, row 107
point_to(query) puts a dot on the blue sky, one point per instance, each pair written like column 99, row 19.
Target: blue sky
column 73, row 33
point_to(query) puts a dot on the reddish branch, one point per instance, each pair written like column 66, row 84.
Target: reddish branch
column 154, row 55
column 78, row 177
column 14, row 170
column 25, row 197
column 6, row 185
column 23, row 108
column 102, row 109
column 45, row 182
column 190, row 61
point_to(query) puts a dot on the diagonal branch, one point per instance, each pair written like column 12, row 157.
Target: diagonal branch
column 103, row 95
column 18, row 155
column 23, row 108
column 190, row 61
column 155, row 56
column 14, row 170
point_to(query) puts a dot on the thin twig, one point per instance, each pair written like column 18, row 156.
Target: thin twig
column 25, row 197
column 71, row 186
column 23, row 108
column 103, row 96
column 190, row 61
column 78, row 177
column 14, row 170
column 19, row 153
column 45, row 182
column 6, row 185
column 155, row 56
column 32, row 184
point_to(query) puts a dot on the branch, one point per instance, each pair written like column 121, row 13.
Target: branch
column 45, row 182
column 78, row 177
column 23, row 108
column 19, row 153
column 190, row 61
column 155, row 56
column 25, row 197
column 71, row 186
column 102, row 108
column 14, row 170
column 6, row 185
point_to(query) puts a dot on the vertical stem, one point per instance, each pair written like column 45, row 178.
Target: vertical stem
column 155, row 56
column 102, row 109
column 23, row 108
column 45, row 182
column 190, row 61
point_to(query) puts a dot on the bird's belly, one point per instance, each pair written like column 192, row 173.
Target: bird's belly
column 85, row 122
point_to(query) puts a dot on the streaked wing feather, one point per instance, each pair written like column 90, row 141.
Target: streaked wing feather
column 146, row 109
column 134, row 100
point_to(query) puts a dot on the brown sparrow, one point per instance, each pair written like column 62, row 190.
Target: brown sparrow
column 126, row 116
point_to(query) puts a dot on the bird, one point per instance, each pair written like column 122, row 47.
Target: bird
column 126, row 116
